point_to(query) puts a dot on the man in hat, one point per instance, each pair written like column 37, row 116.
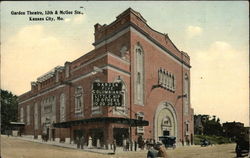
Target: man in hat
column 152, row 153
column 162, row 152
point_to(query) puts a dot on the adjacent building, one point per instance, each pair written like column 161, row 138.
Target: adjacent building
column 155, row 77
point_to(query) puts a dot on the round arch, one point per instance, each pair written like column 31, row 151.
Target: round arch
column 165, row 110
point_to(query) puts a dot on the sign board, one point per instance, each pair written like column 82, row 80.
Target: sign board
column 107, row 94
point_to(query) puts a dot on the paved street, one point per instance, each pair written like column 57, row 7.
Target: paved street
column 16, row 148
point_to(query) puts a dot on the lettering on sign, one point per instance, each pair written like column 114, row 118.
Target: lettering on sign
column 107, row 94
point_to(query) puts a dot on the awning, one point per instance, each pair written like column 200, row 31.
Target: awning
column 17, row 124
column 130, row 122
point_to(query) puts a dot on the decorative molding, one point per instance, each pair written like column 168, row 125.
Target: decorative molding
column 166, row 80
column 169, row 107
column 100, row 57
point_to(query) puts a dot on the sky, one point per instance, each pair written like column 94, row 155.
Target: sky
column 214, row 34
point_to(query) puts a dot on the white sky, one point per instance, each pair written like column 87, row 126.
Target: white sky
column 214, row 34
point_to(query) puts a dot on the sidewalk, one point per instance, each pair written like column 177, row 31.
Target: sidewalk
column 72, row 146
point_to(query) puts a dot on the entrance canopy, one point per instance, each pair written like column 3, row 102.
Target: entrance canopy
column 130, row 122
column 17, row 124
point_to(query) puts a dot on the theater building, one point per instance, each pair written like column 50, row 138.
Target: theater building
column 155, row 79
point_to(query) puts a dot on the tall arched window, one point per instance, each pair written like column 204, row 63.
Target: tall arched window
column 28, row 115
column 21, row 115
column 121, row 110
column 186, row 92
column 62, row 108
column 95, row 108
column 166, row 81
column 36, row 116
column 139, row 75
column 170, row 81
column 79, row 101
column 160, row 77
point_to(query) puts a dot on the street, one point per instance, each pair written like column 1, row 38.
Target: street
column 12, row 147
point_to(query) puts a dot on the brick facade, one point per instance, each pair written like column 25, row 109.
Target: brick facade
column 114, row 53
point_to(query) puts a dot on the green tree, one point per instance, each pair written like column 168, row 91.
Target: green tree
column 207, row 125
column 9, row 106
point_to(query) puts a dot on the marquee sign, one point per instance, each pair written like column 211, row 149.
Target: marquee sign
column 107, row 94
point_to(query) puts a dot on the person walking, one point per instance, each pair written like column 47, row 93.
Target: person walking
column 135, row 145
column 124, row 144
column 82, row 142
column 127, row 145
column 78, row 142
column 114, row 145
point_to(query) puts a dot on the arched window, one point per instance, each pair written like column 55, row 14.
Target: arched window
column 62, row 108
column 166, row 122
column 36, row 116
column 166, row 79
column 121, row 110
column 186, row 92
column 139, row 75
column 160, row 77
column 28, row 115
column 95, row 108
column 79, row 101
column 21, row 115
column 170, row 81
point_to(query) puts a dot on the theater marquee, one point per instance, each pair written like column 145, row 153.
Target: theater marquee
column 107, row 94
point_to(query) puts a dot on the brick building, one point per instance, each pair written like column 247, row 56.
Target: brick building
column 155, row 79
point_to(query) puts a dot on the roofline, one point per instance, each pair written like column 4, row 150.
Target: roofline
column 149, row 37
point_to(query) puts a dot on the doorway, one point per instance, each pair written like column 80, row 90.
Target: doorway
column 120, row 134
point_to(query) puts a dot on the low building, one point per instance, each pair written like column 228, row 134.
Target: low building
column 233, row 129
column 155, row 79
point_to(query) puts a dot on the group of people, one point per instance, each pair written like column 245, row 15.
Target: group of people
column 156, row 150
column 80, row 142
column 145, row 143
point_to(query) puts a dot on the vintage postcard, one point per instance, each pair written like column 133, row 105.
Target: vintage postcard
column 124, row 79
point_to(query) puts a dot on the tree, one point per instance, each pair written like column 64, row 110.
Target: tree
column 9, row 109
column 204, row 124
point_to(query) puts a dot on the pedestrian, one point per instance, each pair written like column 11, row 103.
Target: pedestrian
column 135, row 145
column 143, row 144
column 78, row 142
column 124, row 144
column 161, row 150
column 114, row 145
column 140, row 142
column 147, row 143
column 152, row 152
column 127, row 145
column 82, row 142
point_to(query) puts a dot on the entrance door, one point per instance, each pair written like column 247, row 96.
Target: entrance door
column 78, row 133
column 165, row 133
column 120, row 134
column 97, row 133
column 165, row 121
